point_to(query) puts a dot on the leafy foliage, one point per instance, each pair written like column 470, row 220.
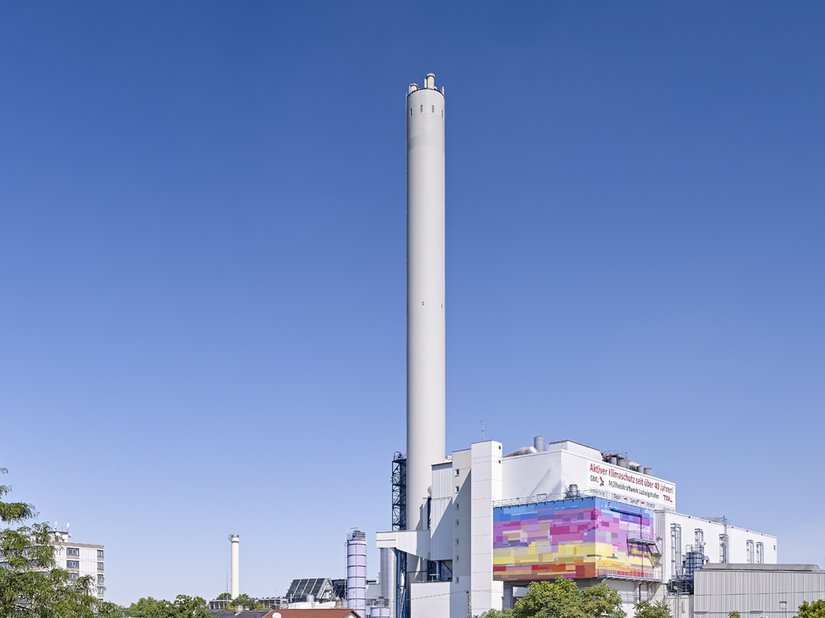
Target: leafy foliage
column 31, row 585
column 246, row 601
column 496, row 613
column 646, row 609
column 182, row 607
column 815, row 609
column 561, row 598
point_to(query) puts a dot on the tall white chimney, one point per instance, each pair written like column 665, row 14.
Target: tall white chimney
column 235, row 585
column 425, row 295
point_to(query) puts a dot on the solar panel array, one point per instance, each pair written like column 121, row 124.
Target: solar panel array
column 320, row 588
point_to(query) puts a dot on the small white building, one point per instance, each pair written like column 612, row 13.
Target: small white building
column 81, row 559
column 499, row 521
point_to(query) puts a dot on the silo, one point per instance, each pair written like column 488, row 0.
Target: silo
column 357, row 571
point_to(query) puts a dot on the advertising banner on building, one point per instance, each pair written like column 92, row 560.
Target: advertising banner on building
column 624, row 484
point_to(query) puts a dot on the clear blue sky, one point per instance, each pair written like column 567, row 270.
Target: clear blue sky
column 202, row 262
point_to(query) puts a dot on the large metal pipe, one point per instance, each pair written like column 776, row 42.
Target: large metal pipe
column 388, row 578
column 425, row 295
column 235, row 586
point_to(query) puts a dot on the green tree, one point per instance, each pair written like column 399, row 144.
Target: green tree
column 646, row 609
column 246, row 601
column 182, row 607
column 561, row 598
column 496, row 613
column 31, row 585
column 816, row 609
column 224, row 596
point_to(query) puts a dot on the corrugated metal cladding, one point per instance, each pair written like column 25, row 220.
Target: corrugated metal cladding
column 766, row 593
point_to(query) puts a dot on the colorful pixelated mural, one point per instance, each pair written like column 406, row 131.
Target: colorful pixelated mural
column 579, row 538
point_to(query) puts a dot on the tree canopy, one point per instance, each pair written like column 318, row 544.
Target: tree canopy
column 815, row 609
column 561, row 598
column 246, row 601
column 646, row 609
column 31, row 584
column 182, row 607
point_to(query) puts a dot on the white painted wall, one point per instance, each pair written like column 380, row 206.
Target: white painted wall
column 486, row 487
column 737, row 540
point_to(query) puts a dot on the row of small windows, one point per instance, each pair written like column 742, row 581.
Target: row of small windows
column 75, row 564
column 421, row 110
column 75, row 551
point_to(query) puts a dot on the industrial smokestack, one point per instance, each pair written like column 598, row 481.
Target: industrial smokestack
column 235, row 586
column 425, row 295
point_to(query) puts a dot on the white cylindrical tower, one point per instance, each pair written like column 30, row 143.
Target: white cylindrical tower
column 425, row 294
column 235, row 585
column 357, row 572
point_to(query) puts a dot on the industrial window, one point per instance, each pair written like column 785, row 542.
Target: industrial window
column 760, row 553
column 456, row 541
column 72, row 551
column 456, row 506
column 457, row 471
column 433, row 109
column 457, row 488
column 456, row 522
column 72, row 564
column 422, row 108
column 411, row 111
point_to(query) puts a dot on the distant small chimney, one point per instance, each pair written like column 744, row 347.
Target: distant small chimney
column 235, row 586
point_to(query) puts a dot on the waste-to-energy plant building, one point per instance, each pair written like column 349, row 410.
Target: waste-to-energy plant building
column 471, row 529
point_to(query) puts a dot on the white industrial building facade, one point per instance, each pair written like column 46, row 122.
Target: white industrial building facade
column 493, row 518
column 473, row 529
